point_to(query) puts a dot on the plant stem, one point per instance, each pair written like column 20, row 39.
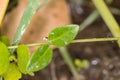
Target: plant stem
column 3, row 8
column 29, row 45
column 108, row 1
column 115, row 11
column 108, row 18
column 74, row 41
column 80, row 2
column 69, row 62
column 1, row 78
column 90, row 19
column 95, row 40
column 94, row 15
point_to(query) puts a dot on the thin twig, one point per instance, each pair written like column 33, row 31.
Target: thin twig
column 95, row 40
column 69, row 62
column 94, row 15
column 89, row 20
column 1, row 78
column 74, row 41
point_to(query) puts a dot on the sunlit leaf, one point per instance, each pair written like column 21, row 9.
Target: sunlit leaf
column 40, row 59
column 62, row 36
column 4, row 58
column 23, row 55
column 5, row 40
column 12, row 73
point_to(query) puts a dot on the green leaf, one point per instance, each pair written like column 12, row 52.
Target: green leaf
column 12, row 73
column 5, row 40
column 40, row 59
column 62, row 36
column 23, row 56
column 4, row 58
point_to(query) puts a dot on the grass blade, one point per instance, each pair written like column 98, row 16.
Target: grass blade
column 31, row 9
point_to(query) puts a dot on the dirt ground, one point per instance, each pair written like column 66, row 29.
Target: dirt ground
column 104, row 57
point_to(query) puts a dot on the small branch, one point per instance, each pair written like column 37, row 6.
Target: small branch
column 74, row 41
column 69, row 62
column 115, row 11
column 95, row 40
column 29, row 45
column 89, row 20
column 1, row 78
column 94, row 15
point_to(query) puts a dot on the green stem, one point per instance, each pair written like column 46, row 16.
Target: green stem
column 108, row 18
column 108, row 1
column 69, row 62
column 74, row 41
column 1, row 78
column 29, row 45
column 90, row 19
column 115, row 11
column 95, row 40
column 94, row 15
